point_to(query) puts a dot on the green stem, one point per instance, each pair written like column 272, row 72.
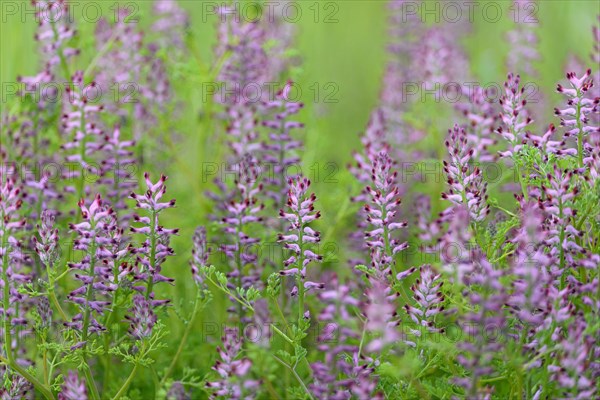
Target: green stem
column 52, row 294
column 127, row 383
column 91, row 383
column 33, row 380
column 183, row 341
column 300, row 381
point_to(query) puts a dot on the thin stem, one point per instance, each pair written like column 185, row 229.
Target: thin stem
column 127, row 383
column 34, row 381
column 52, row 294
column 300, row 381
column 91, row 383
column 183, row 340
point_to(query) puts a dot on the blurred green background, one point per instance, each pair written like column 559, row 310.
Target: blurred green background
column 349, row 53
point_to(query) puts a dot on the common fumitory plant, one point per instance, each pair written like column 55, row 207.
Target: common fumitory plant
column 458, row 265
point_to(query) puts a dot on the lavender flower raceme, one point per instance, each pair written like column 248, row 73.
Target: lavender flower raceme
column 336, row 339
column 481, row 115
column 19, row 387
column 80, row 122
column 53, row 35
column 242, row 211
column 233, row 372
column 575, row 118
column 73, row 388
column 155, row 249
column 141, row 317
column 200, row 253
column 380, row 314
column 300, row 237
column 47, row 247
column 515, row 116
column 466, row 185
column 572, row 372
column 115, row 170
column 246, row 65
column 13, row 261
column 428, row 298
column 381, row 212
column 558, row 205
column 523, row 39
column 530, row 268
column 280, row 149
column 484, row 326
column 93, row 296
column 171, row 24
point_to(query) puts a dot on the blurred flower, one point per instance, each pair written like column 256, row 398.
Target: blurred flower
column 200, row 253
column 73, row 388
column 234, row 382
column 47, row 247
column 428, row 298
column 280, row 150
column 523, row 39
column 466, row 184
column 171, row 23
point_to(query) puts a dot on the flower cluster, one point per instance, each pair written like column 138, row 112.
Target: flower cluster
column 466, row 184
column 428, row 298
column 300, row 237
column 280, row 149
column 73, row 388
column 514, row 115
column 154, row 250
column 93, row 296
column 233, row 371
column 381, row 213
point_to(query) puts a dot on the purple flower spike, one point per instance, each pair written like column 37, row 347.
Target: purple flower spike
column 233, row 371
column 380, row 314
column 247, row 63
column 13, row 260
column 53, row 33
column 200, row 253
column 428, row 297
column 572, row 372
column 466, row 185
column 515, row 116
column 172, row 23
column 153, row 252
column 93, row 238
column 484, row 326
column 558, row 205
column 381, row 213
column 141, row 318
column 523, row 40
column 280, row 150
column 73, row 388
column 115, row 170
column 47, row 246
column 243, row 211
column 300, row 236
column 576, row 117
